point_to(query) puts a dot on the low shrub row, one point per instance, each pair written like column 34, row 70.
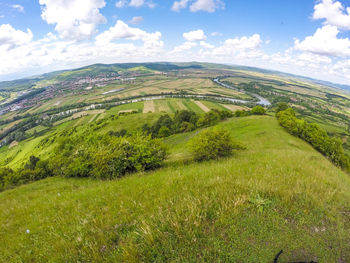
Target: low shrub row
column 332, row 148
column 103, row 157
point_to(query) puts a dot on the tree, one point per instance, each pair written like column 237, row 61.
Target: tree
column 164, row 132
column 209, row 119
column 281, row 106
column 33, row 160
column 164, row 120
column 184, row 116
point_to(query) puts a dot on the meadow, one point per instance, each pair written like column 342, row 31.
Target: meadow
column 241, row 209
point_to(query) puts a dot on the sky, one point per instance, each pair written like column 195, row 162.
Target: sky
column 304, row 37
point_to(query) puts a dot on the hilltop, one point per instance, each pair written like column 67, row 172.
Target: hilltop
column 277, row 194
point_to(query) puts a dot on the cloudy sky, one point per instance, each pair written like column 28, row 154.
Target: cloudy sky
column 304, row 37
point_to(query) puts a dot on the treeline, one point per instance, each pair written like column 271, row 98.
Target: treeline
column 186, row 121
column 332, row 148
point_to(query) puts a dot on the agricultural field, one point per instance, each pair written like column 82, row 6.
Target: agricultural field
column 74, row 94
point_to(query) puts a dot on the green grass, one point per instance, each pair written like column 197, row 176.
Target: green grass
column 277, row 194
column 192, row 106
column 213, row 106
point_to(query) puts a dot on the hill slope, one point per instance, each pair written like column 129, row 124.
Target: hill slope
column 278, row 194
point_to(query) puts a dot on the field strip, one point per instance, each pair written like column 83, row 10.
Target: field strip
column 180, row 105
column 162, row 105
column 201, row 105
column 233, row 107
column 101, row 116
column 93, row 118
column 148, row 106
column 80, row 121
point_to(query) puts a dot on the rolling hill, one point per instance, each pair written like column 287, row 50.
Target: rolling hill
column 277, row 194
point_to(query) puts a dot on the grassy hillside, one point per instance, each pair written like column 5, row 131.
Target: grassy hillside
column 277, row 194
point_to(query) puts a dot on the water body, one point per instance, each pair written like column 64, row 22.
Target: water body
column 262, row 101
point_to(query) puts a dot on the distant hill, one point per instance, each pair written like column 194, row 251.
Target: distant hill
column 96, row 69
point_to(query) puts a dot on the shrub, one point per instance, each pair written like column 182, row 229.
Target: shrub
column 258, row 110
column 107, row 157
column 209, row 119
column 5, row 173
column 164, row 132
column 164, row 120
column 281, row 106
column 241, row 113
column 184, row 116
column 212, row 144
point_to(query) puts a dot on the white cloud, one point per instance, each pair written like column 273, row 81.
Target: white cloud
column 185, row 46
column 137, row 3
column 121, row 3
column 206, row 45
column 216, row 34
column 34, row 57
column 195, row 35
column 11, row 38
column 122, row 31
column 334, row 13
column 134, row 3
column 136, row 20
column 207, row 5
column 74, row 19
column 198, row 5
column 19, row 8
column 178, row 5
column 325, row 42
column 237, row 45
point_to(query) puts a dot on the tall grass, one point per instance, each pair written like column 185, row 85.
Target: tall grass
column 277, row 194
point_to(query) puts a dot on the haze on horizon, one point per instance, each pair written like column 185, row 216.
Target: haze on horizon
column 309, row 38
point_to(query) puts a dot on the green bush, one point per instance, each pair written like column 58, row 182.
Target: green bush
column 212, row 144
column 209, row 119
column 108, row 156
column 241, row 113
column 258, row 110
column 185, row 116
column 164, row 132
column 332, row 148
column 281, row 106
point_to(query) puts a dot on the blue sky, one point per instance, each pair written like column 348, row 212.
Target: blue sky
column 301, row 36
